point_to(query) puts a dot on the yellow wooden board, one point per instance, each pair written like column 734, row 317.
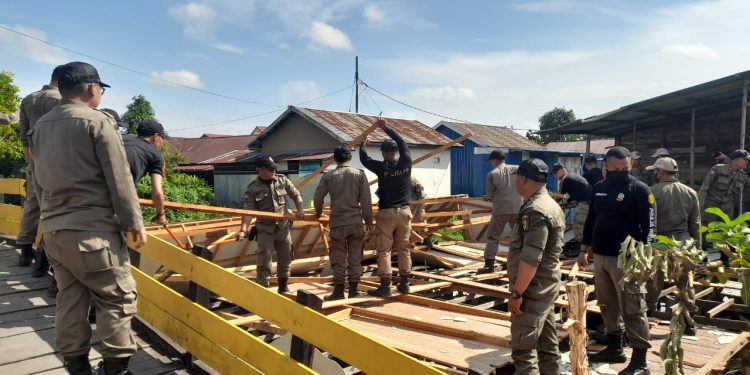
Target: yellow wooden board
column 10, row 212
column 12, row 186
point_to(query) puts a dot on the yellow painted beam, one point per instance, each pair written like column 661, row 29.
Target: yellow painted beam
column 352, row 347
column 215, row 329
column 12, row 186
column 10, row 212
column 10, row 227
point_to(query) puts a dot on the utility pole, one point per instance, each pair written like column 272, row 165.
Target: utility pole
column 356, row 84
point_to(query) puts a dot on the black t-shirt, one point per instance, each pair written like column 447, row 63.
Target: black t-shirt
column 576, row 187
column 394, row 178
column 593, row 176
column 143, row 157
column 616, row 211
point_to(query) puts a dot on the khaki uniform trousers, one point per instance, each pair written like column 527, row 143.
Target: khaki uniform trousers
column 393, row 227
column 346, row 252
column 273, row 237
column 579, row 220
column 495, row 231
column 534, row 343
column 623, row 309
column 31, row 214
column 92, row 267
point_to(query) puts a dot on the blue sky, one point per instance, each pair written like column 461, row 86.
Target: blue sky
column 493, row 62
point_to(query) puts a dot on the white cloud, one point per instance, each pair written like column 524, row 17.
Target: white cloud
column 299, row 91
column 231, row 48
column 197, row 18
column 180, row 77
column 374, row 14
column 547, row 6
column 693, row 51
column 443, row 93
column 324, row 35
column 30, row 48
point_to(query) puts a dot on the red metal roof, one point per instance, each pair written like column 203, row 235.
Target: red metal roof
column 212, row 148
column 344, row 127
column 492, row 136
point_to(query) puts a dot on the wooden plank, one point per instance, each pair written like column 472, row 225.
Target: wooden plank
column 454, row 307
column 309, row 218
column 25, row 301
column 10, row 211
column 704, row 292
column 344, row 343
column 718, row 309
column 719, row 361
column 12, row 186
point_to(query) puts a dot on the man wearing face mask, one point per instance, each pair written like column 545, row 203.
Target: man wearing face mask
column 620, row 206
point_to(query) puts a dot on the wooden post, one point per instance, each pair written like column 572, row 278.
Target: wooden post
column 692, row 146
column 300, row 350
column 634, row 126
column 360, row 138
column 743, row 130
column 576, row 326
column 588, row 144
column 435, row 151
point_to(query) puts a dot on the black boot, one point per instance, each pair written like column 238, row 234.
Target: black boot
column 78, row 365
column 114, row 366
column 403, row 284
column 283, row 285
column 41, row 264
column 637, row 365
column 489, row 267
column 612, row 353
column 690, row 331
column 383, row 291
column 27, row 255
column 353, row 292
column 338, row 293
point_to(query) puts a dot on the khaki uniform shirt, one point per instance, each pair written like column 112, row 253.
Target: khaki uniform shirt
column 641, row 174
column 81, row 173
column 501, row 190
column 677, row 210
column 33, row 107
column 537, row 240
column 350, row 196
column 270, row 196
column 721, row 188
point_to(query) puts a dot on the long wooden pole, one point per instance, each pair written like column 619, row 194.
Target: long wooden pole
column 359, row 139
column 435, row 151
column 576, row 326
column 311, row 219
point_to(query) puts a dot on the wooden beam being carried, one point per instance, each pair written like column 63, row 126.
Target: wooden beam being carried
column 309, row 219
column 435, row 152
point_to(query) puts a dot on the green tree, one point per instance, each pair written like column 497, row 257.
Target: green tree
column 11, row 150
column 139, row 110
column 552, row 119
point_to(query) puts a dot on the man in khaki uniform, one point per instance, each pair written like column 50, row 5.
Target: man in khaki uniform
column 350, row 203
column 270, row 193
column 501, row 190
column 678, row 216
column 723, row 184
column 417, row 210
column 33, row 107
column 87, row 201
column 638, row 171
column 534, row 277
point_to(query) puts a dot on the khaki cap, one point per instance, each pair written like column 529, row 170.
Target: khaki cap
column 664, row 164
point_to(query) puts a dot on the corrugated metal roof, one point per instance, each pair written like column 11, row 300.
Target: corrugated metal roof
column 712, row 97
column 344, row 127
column 598, row 146
column 492, row 136
column 211, row 147
column 283, row 156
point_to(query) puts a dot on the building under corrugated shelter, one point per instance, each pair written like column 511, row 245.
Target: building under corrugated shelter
column 572, row 153
column 469, row 164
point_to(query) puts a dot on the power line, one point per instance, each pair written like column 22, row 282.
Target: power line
column 139, row 72
column 260, row 114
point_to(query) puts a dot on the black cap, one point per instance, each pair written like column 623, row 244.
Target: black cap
column 739, row 154
column 533, row 169
column 389, row 145
column 56, row 73
column 497, row 155
column 266, row 162
column 617, row 152
column 590, row 159
column 148, row 128
column 556, row 167
column 76, row 73
column 117, row 118
column 342, row 153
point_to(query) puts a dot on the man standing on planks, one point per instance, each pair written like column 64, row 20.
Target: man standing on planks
column 501, row 190
column 393, row 221
column 620, row 206
column 533, row 257
column 87, row 201
column 269, row 193
column 144, row 157
column 678, row 216
column 33, row 107
column 350, row 203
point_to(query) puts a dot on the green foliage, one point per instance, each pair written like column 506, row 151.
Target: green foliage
column 11, row 150
column 178, row 187
column 552, row 119
column 732, row 237
column 172, row 156
column 139, row 110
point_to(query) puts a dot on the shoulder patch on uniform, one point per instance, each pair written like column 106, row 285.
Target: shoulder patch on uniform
column 525, row 222
column 651, row 199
